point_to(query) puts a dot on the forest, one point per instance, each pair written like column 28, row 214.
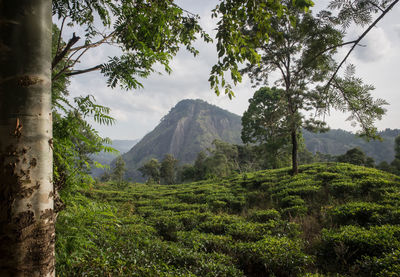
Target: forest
column 267, row 207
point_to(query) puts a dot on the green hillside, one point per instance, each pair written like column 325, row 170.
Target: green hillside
column 329, row 220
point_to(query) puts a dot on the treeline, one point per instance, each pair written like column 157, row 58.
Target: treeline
column 226, row 159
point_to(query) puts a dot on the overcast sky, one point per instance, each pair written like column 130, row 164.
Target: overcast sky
column 138, row 112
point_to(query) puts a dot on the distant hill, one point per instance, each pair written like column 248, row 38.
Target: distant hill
column 191, row 126
column 122, row 146
column 337, row 142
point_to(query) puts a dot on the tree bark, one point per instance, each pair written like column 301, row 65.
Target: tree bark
column 295, row 168
column 26, row 171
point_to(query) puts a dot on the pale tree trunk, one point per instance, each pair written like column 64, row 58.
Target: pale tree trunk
column 26, row 190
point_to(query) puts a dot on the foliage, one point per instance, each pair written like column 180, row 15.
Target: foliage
column 146, row 32
column 300, row 47
column 297, row 50
column 357, row 157
column 331, row 219
column 235, row 45
column 119, row 170
column 151, row 169
column 74, row 139
column 396, row 162
column 168, row 169
column 359, row 12
column 265, row 121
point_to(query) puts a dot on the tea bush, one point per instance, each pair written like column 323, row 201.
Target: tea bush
column 331, row 219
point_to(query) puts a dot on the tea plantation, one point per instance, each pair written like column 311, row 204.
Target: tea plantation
column 329, row 220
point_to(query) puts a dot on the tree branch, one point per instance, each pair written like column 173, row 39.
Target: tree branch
column 186, row 11
column 66, row 49
column 322, row 52
column 352, row 109
column 77, row 72
column 376, row 6
column 92, row 45
column 359, row 39
column 59, row 36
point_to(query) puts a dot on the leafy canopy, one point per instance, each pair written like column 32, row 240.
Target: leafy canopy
column 235, row 44
column 151, row 169
column 74, row 139
column 145, row 33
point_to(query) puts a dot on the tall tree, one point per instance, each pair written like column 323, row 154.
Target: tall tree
column 300, row 49
column 356, row 156
column 296, row 50
column 26, row 190
column 265, row 121
column 168, row 169
column 151, row 169
column 119, row 170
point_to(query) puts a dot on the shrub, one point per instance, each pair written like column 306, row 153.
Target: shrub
column 342, row 248
column 218, row 224
column 272, row 256
column 385, row 266
column 263, row 215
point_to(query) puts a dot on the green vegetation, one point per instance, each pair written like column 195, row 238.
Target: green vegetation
column 394, row 166
column 265, row 122
column 331, row 219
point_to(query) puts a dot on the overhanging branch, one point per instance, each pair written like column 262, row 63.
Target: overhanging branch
column 356, row 42
column 77, row 72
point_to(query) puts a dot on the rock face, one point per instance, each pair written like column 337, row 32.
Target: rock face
column 191, row 126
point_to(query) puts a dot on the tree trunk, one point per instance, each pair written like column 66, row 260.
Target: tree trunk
column 295, row 169
column 26, row 171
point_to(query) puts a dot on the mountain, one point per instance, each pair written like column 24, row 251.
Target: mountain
column 337, row 142
column 191, row 126
column 104, row 158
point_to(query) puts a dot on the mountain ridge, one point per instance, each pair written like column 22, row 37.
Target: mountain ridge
column 190, row 127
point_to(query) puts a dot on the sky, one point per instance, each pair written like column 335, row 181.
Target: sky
column 138, row 112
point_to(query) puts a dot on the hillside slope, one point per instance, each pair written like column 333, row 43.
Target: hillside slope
column 329, row 220
column 337, row 142
column 191, row 126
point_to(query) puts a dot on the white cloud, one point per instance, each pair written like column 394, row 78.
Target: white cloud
column 375, row 46
column 396, row 28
